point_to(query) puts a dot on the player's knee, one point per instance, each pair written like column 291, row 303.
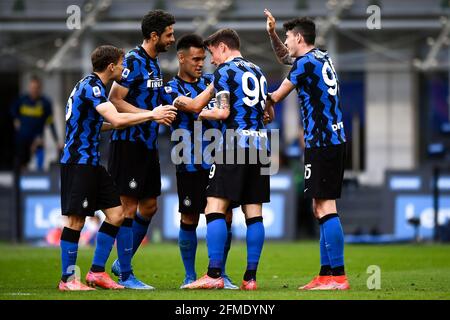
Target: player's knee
column 129, row 210
column 148, row 210
column 75, row 222
column 323, row 207
column 190, row 219
column 116, row 218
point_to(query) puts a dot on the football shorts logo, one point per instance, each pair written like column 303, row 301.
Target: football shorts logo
column 133, row 184
column 187, row 202
column 97, row 92
column 85, row 203
column 125, row 73
column 168, row 89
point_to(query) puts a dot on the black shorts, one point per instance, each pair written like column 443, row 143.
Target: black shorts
column 135, row 169
column 85, row 189
column 191, row 187
column 324, row 171
column 239, row 183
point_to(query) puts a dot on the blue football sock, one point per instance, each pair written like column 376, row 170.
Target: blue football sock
column 325, row 265
column 187, row 241
column 125, row 248
column 216, row 236
column 227, row 247
column 69, row 251
column 255, row 242
column 334, row 239
column 140, row 228
column 105, row 240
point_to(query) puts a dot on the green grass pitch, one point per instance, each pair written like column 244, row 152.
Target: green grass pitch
column 407, row 272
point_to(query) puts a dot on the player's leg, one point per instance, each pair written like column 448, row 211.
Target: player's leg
column 187, row 242
column 255, row 241
column 228, row 220
column 228, row 284
column 217, row 233
column 122, row 266
column 106, row 237
column 216, row 237
column 129, row 170
column 70, row 237
column 333, row 238
column 191, row 202
column 78, row 195
column 323, row 181
column 130, row 236
column 146, row 210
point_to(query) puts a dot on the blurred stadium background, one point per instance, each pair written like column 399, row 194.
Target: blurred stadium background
column 395, row 90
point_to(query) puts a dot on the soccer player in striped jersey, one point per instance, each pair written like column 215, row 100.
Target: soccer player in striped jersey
column 85, row 184
column 192, row 175
column 241, row 90
column 134, row 159
column 314, row 77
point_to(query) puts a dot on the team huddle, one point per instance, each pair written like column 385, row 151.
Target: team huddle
column 234, row 98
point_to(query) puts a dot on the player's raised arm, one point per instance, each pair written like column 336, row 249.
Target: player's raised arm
column 278, row 47
column 197, row 104
column 221, row 111
column 117, row 97
column 165, row 114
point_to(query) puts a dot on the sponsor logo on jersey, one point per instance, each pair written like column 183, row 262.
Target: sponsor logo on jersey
column 254, row 133
column 154, row 83
column 337, row 126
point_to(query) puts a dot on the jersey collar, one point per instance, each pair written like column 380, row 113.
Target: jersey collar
column 145, row 54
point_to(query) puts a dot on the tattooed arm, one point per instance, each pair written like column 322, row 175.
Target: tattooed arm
column 221, row 111
column 197, row 104
column 278, row 47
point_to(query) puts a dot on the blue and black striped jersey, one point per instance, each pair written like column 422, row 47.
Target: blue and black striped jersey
column 83, row 122
column 247, row 86
column 186, row 120
column 317, row 86
column 142, row 76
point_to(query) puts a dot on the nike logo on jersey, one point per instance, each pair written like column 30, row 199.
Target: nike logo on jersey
column 150, row 73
